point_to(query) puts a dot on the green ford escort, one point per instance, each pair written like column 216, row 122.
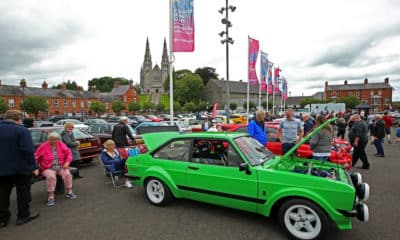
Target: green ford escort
column 234, row 170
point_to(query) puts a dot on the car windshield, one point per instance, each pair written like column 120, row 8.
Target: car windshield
column 254, row 151
column 78, row 134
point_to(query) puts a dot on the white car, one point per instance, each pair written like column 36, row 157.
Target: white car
column 77, row 124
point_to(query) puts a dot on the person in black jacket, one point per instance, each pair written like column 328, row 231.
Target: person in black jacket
column 17, row 163
column 358, row 136
column 341, row 127
column 379, row 134
column 120, row 131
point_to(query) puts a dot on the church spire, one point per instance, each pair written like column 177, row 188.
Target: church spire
column 147, row 55
column 165, row 59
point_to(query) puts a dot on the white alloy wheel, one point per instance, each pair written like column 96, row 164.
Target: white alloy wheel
column 302, row 222
column 155, row 191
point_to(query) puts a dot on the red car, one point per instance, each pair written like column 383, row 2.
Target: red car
column 153, row 118
column 338, row 154
column 89, row 148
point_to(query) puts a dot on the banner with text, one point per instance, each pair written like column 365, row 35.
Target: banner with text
column 253, row 54
column 264, row 70
column 182, row 26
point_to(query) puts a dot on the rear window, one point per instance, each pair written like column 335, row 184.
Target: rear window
column 78, row 134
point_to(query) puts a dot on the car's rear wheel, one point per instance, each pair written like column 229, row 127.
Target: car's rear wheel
column 302, row 219
column 157, row 192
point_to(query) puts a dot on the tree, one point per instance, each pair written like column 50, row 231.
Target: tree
column 159, row 107
column 69, row 85
column 307, row 101
column 177, row 107
column 350, row 101
column 134, row 107
column 177, row 75
column 34, row 105
column 206, row 73
column 106, row 84
column 3, row 106
column 189, row 107
column 202, row 106
column 118, row 106
column 252, row 105
column 97, row 107
column 189, row 89
column 233, row 106
column 147, row 106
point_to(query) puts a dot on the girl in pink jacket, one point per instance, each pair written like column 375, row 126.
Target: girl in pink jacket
column 54, row 157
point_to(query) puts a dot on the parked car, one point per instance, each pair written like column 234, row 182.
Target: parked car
column 77, row 124
column 90, row 147
column 237, row 118
column 56, row 118
column 39, row 123
column 104, row 132
column 91, row 121
column 131, row 122
column 167, row 117
column 152, row 118
column 236, row 171
column 183, row 127
column 139, row 118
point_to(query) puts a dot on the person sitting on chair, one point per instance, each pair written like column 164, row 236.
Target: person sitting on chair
column 111, row 157
column 54, row 157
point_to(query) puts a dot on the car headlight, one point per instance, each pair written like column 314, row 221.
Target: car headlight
column 362, row 191
column 356, row 178
column 362, row 212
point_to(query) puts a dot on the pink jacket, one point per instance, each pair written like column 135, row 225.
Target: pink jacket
column 44, row 155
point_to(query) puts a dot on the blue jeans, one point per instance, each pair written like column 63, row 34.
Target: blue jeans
column 322, row 159
column 379, row 146
column 287, row 146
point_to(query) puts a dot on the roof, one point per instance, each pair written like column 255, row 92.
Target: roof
column 236, row 86
column 362, row 106
column 7, row 90
column 119, row 90
column 358, row 86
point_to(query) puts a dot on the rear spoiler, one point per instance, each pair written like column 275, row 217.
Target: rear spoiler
column 155, row 129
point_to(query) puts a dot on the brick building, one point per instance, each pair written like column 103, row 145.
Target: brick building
column 377, row 95
column 71, row 103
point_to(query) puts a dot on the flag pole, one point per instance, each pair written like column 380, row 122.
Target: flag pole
column 267, row 86
column 171, row 80
column 273, row 94
column 259, row 84
column 248, row 79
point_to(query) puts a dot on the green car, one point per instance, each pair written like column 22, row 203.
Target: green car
column 234, row 170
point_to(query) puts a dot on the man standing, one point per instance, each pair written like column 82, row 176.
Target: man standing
column 290, row 131
column 388, row 125
column 307, row 123
column 17, row 163
column 379, row 134
column 120, row 131
column 359, row 138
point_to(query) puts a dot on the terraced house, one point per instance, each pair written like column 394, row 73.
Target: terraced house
column 71, row 103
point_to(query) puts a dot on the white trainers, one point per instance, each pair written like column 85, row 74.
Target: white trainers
column 128, row 185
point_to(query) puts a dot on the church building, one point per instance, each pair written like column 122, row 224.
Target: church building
column 152, row 78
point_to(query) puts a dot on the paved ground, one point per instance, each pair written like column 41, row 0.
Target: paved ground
column 102, row 212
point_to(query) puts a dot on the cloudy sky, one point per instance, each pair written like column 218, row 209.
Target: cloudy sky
column 311, row 40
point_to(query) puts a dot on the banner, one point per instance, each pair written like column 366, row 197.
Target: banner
column 264, row 70
column 253, row 54
column 182, row 26
column 270, row 66
column 284, row 89
column 276, row 80
column 214, row 111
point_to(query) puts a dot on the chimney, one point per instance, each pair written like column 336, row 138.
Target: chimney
column 22, row 83
column 63, row 86
column 0, row 82
column 131, row 83
column 386, row 81
column 93, row 89
column 326, row 84
column 79, row 88
column 366, row 81
column 44, row 85
column 116, row 84
column 345, row 82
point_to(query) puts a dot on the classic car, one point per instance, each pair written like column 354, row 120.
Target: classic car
column 234, row 170
column 91, row 121
column 77, row 124
column 89, row 148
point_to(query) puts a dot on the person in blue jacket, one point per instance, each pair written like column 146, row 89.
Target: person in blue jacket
column 256, row 128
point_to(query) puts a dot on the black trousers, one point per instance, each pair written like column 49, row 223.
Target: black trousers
column 359, row 153
column 341, row 133
column 23, row 184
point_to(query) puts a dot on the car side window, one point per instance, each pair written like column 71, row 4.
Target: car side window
column 178, row 150
column 105, row 129
column 44, row 137
column 36, row 136
column 242, row 130
column 215, row 152
column 95, row 128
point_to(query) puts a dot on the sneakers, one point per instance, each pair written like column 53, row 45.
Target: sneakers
column 71, row 195
column 50, row 202
column 128, row 185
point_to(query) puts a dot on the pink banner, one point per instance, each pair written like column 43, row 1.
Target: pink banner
column 253, row 54
column 182, row 26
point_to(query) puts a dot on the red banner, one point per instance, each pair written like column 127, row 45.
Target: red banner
column 254, row 47
column 182, row 26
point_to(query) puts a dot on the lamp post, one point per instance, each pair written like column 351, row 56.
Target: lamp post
column 227, row 40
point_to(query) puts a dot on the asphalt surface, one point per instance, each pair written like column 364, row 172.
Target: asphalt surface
column 101, row 212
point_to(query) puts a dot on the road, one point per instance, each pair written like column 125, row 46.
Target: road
column 101, row 212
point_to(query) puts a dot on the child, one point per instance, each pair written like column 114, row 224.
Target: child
column 398, row 133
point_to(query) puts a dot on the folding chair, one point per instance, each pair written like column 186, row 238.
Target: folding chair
column 114, row 176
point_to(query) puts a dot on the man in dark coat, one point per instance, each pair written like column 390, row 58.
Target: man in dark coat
column 17, row 163
column 359, row 138
column 120, row 131
column 379, row 134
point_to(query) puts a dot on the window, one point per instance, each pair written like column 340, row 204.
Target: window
column 372, row 92
column 387, row 101
column 242, row 129
column 375, row 101
column 357, row 93
column 56, row 103
column 380, row 92
column 215, row 152
column 11, row 103
column 89, row 103
column 254, row 152
column 65, row 103
column 74, row 103
column 107, row 106
column 350, row 93
column 82, row 104
column 125, row 98
column 337, row 93
column 176, row 150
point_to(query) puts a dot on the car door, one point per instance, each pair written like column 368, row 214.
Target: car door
column 173, row 159
column 213, row 176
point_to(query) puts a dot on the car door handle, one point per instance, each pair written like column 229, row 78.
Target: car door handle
column 193, row 168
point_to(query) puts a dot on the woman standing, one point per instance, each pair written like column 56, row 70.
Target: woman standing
column 321, row 142
column 67, row 137
column 54, row 157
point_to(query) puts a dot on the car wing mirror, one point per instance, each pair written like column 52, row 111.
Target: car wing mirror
column 244, row 167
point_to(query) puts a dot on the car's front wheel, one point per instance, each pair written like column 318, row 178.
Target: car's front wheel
column 157, row 192
column 303, row 219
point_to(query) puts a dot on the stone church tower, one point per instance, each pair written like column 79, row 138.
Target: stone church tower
column 152, row 78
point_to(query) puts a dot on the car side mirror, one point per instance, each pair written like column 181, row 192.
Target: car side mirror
column 244, row 167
